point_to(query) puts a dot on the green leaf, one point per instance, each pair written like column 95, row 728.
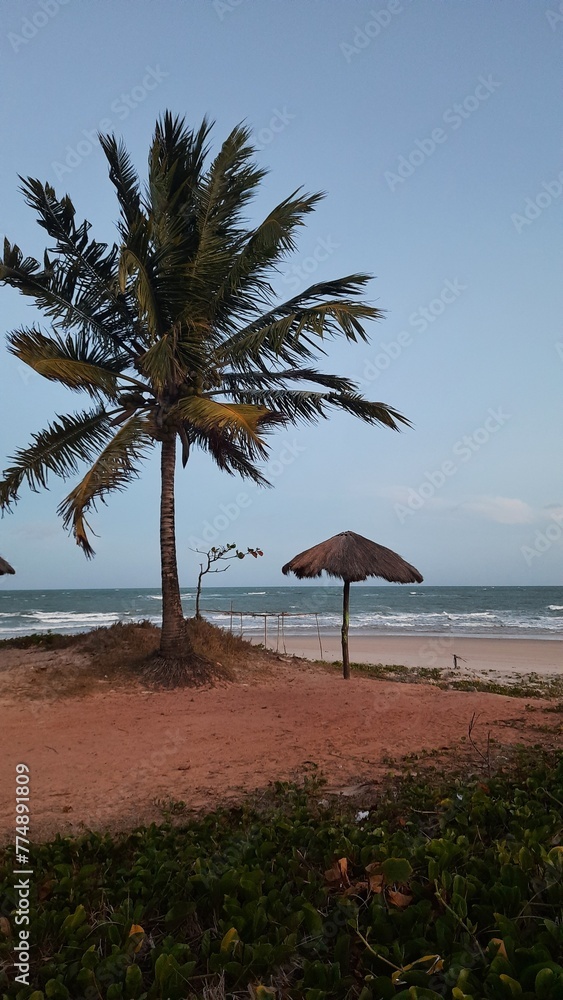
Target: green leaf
column 90, row 958
column 543, row 984
column 512, row 984
column 74, row 920
column 56, row 990
column 555, row 856
column 133, row 982
column 418, row 993
column 178, row 912
column 396, row 870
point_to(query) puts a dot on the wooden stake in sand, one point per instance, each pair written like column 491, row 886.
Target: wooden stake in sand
column 319, row 635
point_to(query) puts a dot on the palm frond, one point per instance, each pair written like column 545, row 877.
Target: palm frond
column 233, row 382
column 75, row 363
column 112, row 471
column 58, row 450
column 294, row 405
column 370, row 413
column 229, row 456
column 242, row 423
column 89, row 267
column 176, row 163
column 230, row 182
column 124, row 178
column 161, row 364
column 247, row 281
column 136, row 261
column 286, row 332
column 60, row 294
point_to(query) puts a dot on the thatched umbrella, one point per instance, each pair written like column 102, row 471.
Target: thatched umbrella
column 5, row 567
column 351, row 557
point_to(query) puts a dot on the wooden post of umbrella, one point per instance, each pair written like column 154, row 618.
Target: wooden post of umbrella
column 345, row 626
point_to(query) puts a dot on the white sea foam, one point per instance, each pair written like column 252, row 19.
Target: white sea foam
column 73, row 617
column 555, row 607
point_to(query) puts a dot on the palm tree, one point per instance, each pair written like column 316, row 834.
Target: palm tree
column 175, row 334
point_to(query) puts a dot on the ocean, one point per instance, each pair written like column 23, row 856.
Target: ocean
column 513, row 612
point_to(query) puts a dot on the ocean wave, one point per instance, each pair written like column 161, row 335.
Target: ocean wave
column 470, row 614
column 379, row 611
column 74, row 616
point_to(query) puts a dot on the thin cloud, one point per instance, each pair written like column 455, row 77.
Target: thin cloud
column 502, row 510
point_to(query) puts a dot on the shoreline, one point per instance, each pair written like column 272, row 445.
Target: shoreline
column 480, row 655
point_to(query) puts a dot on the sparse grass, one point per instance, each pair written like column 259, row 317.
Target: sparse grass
column 222, row 647
column 40, row 640
column 530, row 685
column 118, row 657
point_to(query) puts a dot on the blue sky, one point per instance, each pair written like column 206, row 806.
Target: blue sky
column 435, row 130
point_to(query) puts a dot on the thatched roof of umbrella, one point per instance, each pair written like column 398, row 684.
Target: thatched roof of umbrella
column 5, row 567
column 352, row 557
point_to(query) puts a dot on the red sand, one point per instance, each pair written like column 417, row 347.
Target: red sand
column 105, row 760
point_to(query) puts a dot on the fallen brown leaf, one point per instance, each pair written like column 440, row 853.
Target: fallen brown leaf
column 399, row 899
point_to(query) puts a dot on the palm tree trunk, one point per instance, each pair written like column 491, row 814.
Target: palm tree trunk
column 345, row 623
column 174, row 641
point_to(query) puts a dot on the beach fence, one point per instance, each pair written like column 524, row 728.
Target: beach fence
column 279, row 618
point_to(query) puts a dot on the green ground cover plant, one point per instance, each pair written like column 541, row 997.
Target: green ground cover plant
column 446, row 888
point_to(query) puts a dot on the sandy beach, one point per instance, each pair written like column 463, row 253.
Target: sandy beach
column 110, row 760
column 108, row 755
column 481, row 657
